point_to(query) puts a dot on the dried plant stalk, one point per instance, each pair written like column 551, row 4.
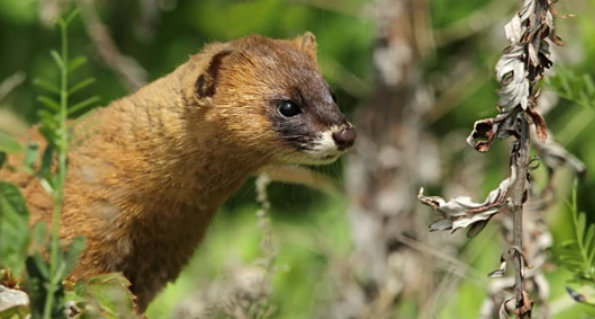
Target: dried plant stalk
column 519, row 70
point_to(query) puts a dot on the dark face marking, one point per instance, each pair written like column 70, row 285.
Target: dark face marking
column 318, row 113
column 273, row 72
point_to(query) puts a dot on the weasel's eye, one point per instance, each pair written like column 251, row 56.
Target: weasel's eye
column 288, row 109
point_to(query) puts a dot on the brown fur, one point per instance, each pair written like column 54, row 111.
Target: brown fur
column 144, row 185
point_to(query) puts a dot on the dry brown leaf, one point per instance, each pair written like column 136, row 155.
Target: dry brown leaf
column 539, row 123
column 486, row 131
column 462, row 211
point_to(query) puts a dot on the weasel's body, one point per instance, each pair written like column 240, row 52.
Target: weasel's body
column 144, row 185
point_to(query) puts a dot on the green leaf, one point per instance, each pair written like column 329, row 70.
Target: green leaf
column 82, row 105
column 566, row 86
column 46, row 85
column 580, row 227
column 48, row 130
column 39, row 235
column 31, row 154
column 45, row 170
column 577, row 255
column 14, row 227
column 81, row 85
column 49, row 102
column 56, row 56
column 72, row 255
column 70, row 17
column 3, row 159
column 589, row 241
column 76, row 63
column 38, row 277
column 8, row 144
column 589, row 85
column 100, row 293
column 567, row 243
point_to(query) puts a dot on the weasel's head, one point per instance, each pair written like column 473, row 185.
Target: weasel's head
column 269, row 97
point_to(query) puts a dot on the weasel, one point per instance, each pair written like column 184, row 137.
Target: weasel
column 145, row 183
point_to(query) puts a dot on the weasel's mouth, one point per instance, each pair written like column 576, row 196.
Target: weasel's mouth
column 327, row 159
column 330, row 157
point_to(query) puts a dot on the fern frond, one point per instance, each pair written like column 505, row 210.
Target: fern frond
column 579, row 89
column 578, row 254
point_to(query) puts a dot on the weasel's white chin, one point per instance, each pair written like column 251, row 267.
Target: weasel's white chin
column 322, row 160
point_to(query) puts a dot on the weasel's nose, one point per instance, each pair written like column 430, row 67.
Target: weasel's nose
column 345, row 138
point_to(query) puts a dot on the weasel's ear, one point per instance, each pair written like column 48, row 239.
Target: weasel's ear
column 307, row 43
column 206, row 84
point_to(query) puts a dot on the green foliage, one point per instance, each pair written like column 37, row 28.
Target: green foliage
column 103, row 296
column 579, row 88
column 9, row 145
column 44, row 277
column 346, row 41
column 19, row 12
column 578, row 254
column 14, row 232
column 38, row 276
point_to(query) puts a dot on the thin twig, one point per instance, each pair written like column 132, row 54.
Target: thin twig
column 10, row 83
column 522, row 162
column 130, row 72
column 476, row 22
column 337, row 6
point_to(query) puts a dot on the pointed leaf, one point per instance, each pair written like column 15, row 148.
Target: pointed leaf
column 9, row 144
column 72, row 255
column 46, row 163
column 46, row 85
column 76, row 63
column 589, row 85
column 80, row 106
column 56, row 56
column 39, row 235
column 81, row 85
column 49, row 102
column 590, row 244
column 580, row 226
column 71, row 17
column 14, row 220
column 566, row 86
column 31, row 154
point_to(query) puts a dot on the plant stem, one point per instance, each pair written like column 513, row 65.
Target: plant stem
column 522, row 165
column 60, row 177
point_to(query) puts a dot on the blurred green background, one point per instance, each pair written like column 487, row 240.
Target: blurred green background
column 310, row 230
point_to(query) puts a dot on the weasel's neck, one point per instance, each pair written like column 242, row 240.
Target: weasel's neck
column 164, row 155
